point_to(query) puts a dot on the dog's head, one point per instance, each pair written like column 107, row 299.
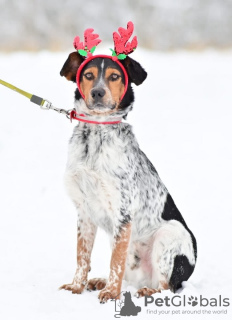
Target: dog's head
column 104, row 82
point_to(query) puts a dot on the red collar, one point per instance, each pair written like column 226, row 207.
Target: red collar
column 83, row 118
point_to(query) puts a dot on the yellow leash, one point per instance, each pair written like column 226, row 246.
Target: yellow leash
column 33, row 98
column 43, row 103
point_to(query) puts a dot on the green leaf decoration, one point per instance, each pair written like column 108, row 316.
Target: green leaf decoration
column 93, row 49
column 82, row 52
column 122, row 56
column 113, row 53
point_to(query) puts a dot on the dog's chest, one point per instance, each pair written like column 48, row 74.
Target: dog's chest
column 102, row 149
column 98, row 158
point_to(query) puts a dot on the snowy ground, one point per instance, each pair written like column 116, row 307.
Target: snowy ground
column 182, row 120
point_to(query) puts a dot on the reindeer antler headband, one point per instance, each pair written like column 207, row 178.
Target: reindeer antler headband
column 122, row 47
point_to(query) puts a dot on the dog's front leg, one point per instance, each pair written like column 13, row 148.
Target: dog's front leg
column 86, row 233
column 117, row 264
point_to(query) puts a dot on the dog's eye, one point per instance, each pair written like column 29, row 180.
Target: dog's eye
column 89, row 76
column 114, row 77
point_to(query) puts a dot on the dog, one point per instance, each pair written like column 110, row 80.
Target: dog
column 114, row 186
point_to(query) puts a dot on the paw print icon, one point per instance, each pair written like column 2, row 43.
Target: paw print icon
column 192, row 301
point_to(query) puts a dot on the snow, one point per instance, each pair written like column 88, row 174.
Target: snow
column 182, row 120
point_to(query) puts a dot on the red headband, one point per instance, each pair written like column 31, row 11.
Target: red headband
column 122, row 47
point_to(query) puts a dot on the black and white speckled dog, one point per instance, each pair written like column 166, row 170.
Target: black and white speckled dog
column 115, row 187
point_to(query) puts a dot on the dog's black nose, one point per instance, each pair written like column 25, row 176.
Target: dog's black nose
column 98, row 93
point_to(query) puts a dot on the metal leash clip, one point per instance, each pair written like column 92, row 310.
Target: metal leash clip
column 47, row 105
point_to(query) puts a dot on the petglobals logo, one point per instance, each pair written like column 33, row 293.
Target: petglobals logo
column 178, row 301
column 172, row 305
column 183, row 305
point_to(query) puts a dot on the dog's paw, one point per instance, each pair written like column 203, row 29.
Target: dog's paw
column 107, row 294
column 75, row 288
column 146, row 292
column 96, row 284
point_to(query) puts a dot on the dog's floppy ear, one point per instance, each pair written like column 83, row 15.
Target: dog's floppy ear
column 135, row 72
column 71, row 66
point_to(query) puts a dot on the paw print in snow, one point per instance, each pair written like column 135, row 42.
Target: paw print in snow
column 192, row 301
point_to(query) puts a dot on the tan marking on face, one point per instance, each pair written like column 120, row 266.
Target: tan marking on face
column 116, row 87
column 86, row 85
column 113, row 90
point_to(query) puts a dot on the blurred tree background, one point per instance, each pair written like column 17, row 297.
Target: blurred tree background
column 160, row 24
